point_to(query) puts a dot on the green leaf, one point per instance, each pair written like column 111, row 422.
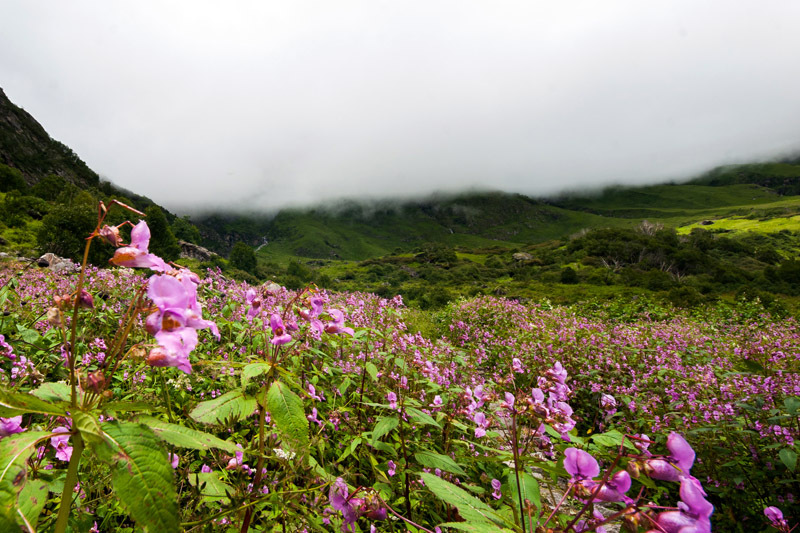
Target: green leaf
column 53, row 392
column 286, row 409
column 212, row 488
column 792, row 404
column 18, row 403
column 472, row 527
column 789, row 458
column 528, row 486
column 142, row 477
column 253, row 370
column 372, row 370
column 28, row 335
column 437, row 460
column 32, row 499
column 233, row 404
column 14, row 453
column 611, row 439
column 184, row 437
column 420, row 418
column 471, row 509
column 128, row 407
column 384, row 426
column 91, row 431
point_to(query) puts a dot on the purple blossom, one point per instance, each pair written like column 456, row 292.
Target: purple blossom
column 775, row 516
column 9, row 426
column 61, row 444
column 392, row 468
column 136, row 255
column 693, row 514
column 496, row 484
column 483, row 424
column 337, row 325
column 279, row 334
column 676, row 465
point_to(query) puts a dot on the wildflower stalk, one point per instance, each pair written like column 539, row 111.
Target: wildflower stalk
column 69, row 483
column 516, row 468
column 262, row 420
column 74, row 332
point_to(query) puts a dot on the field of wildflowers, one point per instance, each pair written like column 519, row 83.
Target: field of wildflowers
column 143, row 397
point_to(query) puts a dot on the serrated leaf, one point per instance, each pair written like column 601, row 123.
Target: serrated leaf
column 233, row 404
column 142, row 477
column 14, row 453
column 470, row 508
column 384, row 426
column 528, row 486
column 253, row 370
column 53, row 392
column 212, row 488
column 421, row 418
column 789, row 458
column 184, row 437
column 18, row 403
column 437, row 460
column 286, row 409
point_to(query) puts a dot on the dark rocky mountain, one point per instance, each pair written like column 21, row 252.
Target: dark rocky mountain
column 26, row 146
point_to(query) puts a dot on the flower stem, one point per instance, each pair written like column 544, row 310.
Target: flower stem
column 69, row 484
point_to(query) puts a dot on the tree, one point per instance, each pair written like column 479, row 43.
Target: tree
column 185, row 230
column 11, row 179
column 162, row 241
column 243, row 257
column 64, row 231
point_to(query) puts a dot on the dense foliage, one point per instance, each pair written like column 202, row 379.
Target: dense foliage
column 314, row 410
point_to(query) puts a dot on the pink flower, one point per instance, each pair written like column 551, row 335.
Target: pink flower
column 483, row 424
column 392, row 468
column 580, row 464
column 775, row 516
column 509, row 402
column 496, row 485
column 392, row 397
column 694, row 511
column 676, row 465
column 173, row 460
column 337, row 325
column 9, row 426
column 60, row 443
column 279, row 334
column 136, row 255
column 9, row 351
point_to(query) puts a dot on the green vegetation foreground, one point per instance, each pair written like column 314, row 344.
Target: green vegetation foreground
column 169, row 402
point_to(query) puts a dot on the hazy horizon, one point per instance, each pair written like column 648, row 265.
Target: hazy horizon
column 264, row 105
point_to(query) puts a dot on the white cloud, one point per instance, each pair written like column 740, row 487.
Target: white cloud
column 264, row 104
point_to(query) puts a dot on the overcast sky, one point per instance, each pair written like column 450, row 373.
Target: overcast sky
column 272, row 103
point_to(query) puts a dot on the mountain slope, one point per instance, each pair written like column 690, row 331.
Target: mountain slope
column 26, row 146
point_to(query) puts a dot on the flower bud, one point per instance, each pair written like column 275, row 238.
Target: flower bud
column 54, row 317
column 111, row 235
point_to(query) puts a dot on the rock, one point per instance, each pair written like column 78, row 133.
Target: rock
column 193, row 251
column 522, row 256
column 57, row 264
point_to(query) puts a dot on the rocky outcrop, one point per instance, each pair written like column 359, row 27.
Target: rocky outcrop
column 57, row 264
column 193, row 251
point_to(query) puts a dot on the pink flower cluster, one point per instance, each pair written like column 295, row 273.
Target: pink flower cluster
column 178, row 314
